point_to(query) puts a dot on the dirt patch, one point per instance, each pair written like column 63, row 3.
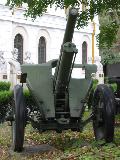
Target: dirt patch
column 1, row 152
column 34, row 149
column 37, row 149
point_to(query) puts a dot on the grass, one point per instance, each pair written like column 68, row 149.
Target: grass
column 66, row 146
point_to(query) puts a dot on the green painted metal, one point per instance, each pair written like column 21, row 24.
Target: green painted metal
column 59, row 97
column 73, row 13
column 72, row 17
column 40, row 82
column 62, row 80
column 78, row 90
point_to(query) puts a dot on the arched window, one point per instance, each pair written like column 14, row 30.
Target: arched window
column 18, row 43
column 42, row 50
column 84, row 52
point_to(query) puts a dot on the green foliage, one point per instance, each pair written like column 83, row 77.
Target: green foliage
column 108, row 57
column 4, row 86
column 108, row 34
column 5, row 96
column 95, row 83
column 113, row 87
column 5, row 99
column 6, row 103
column 108, row 38
column 90, row 97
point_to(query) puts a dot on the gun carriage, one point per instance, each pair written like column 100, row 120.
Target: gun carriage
column 60, row 100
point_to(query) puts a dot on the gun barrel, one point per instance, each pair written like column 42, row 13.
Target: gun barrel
column 63, row 68
column 73, row 13
column 69, row 49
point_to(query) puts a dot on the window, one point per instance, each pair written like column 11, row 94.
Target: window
column 84, row 52
column 18, row 43
column 42, row 50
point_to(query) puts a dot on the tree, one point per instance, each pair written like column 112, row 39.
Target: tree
column 109, row 41
column 94, row 7
column 109, row 26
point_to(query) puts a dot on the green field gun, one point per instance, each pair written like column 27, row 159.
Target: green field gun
column 60, row 100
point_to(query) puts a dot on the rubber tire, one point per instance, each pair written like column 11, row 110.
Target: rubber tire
column 104, row 113
column 18, row 125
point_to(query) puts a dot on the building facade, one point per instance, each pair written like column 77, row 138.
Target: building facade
column 42, row 38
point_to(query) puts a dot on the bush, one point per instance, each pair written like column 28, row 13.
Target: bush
column 95, row 83
column 90, row 97
column 6, row 103
column 5, row 96
column 4, row 86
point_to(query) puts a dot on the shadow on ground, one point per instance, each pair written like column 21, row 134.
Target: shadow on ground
column 34, row 149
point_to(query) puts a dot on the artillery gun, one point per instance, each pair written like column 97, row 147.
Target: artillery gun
column 60, row 100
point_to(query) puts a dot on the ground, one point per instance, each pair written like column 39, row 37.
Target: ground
column 53, row 146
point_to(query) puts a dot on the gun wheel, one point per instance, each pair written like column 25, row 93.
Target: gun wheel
column 104, row 113
column 18, row 125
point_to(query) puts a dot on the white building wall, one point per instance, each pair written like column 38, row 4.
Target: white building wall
column 51, row 26
column 5, row 36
